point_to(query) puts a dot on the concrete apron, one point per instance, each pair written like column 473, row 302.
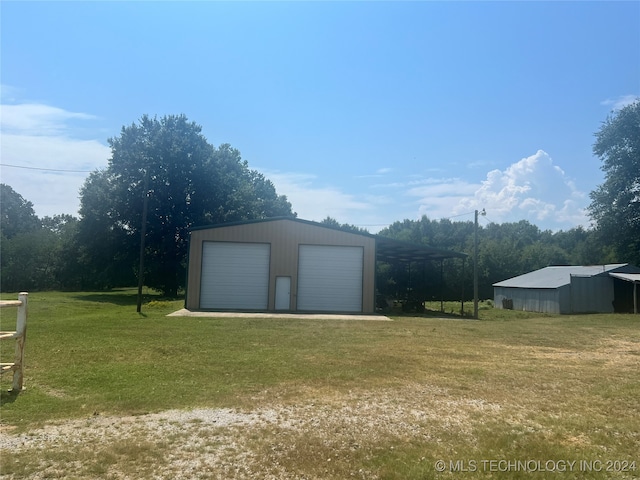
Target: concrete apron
column 304, row 316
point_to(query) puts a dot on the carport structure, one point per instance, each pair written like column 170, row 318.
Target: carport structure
column 291, row 265
column 397, row 252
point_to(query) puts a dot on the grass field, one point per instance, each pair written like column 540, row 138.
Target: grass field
column 514, row 395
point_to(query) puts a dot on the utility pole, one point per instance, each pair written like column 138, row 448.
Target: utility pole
column 143, row 234
column 475, row 264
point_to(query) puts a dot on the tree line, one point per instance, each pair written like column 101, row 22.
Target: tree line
column 167, row 165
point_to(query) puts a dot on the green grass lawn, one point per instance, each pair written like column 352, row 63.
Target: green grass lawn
column 560, row 387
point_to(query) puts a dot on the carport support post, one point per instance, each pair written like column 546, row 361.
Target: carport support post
column 475, row 266
column 442, row 285
column 462, row 302
column 143, row 234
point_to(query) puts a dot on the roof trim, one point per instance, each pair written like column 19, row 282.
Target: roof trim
column 629, row 277
column 247, row 222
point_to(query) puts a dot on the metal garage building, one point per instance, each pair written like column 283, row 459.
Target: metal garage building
column 288, row 264
column 571, row 289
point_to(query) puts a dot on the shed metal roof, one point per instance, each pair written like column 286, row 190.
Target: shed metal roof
column 557, row 276
column 629, row 277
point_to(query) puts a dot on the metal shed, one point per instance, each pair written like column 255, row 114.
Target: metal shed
column 289, row 264
column 567, row 289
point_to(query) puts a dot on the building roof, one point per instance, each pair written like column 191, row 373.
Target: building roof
column 557, row 276
column 387, row 249
column 629, row 277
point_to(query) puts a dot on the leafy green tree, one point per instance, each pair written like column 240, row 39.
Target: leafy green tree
column 28, row 261
column 42, row 255
column 107, row 249
column 615, row 205
column 186, row 181
column 20, row 245
column 582, row 247
column 16, row 213
column 333, row 223
column 67, row 271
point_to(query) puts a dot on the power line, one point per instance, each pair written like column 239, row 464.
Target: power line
column 488, row 220
column 454, row 216
column 371, row 224
column 45, row 169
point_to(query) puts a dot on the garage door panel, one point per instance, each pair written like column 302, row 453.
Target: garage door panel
column 235, row 276
column 330, row 278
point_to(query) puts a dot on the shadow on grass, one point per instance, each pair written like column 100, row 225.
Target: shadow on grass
column 429, row 314
column 121, row 297
column 8, row 396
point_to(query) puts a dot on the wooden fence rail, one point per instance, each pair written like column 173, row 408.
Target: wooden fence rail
column 19, row 335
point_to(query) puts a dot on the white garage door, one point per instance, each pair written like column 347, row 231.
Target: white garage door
column 235, row 276
column 330, row 278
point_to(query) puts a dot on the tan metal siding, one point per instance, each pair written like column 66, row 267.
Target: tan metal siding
column 285, row 236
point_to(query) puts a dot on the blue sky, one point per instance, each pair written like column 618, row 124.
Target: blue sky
column 368, row 112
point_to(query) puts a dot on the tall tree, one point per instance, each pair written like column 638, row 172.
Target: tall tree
column 16, row 213
column 107, row 247
column 20, row 242
column 187, row 182
column 615, row 205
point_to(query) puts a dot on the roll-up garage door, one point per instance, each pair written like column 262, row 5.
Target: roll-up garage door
column 235, row 276
column 330, row 278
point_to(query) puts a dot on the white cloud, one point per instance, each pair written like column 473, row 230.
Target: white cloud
column 620, row 102
column 39, row 137
column 388, row 185
column 439, row 197
column 312, row 202
column 533, row 189
column 381, row 172
column 8, row 93
column 37, row 119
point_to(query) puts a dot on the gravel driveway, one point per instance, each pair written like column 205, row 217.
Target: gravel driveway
column 267, row 443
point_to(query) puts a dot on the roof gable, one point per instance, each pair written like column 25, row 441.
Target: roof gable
column 281, row 219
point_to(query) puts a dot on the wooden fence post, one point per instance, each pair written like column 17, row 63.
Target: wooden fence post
column 21, row 335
